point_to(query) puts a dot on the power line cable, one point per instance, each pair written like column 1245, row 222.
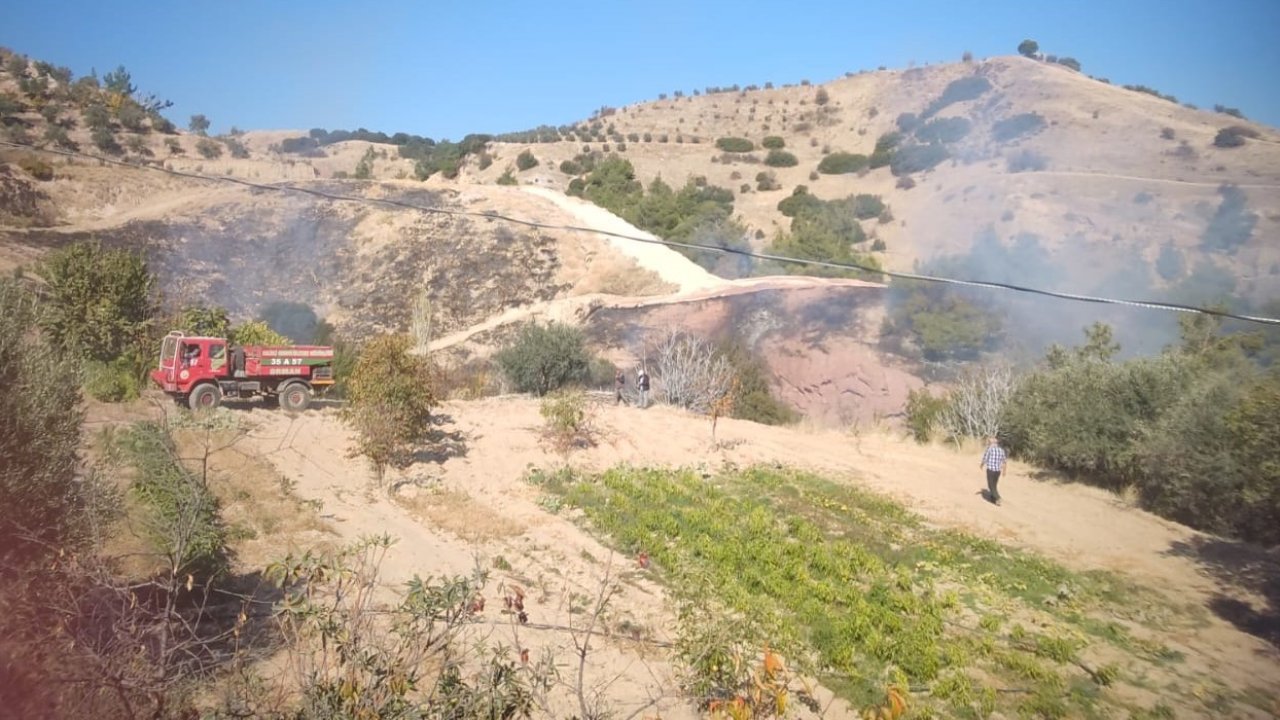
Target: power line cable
column 1077, row 297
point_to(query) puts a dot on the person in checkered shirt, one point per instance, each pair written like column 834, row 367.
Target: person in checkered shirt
column 993, row 460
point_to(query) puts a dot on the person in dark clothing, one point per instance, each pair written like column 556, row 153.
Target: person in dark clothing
column 619, row 384
column 993, row 460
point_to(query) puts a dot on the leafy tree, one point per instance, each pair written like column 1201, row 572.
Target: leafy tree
column 119, row 81
column 389, row 399
column 1028, row 48
column 203, row 320
column 199, row 124
column 257, row 332
column 1070, row 62
column 544, row 358
column 98, row 302
column 526, row 161
column 40, row 420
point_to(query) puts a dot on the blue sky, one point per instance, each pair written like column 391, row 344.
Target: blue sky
column 447, row 69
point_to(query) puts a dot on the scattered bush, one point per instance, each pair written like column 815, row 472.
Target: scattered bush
column 507, row 178
column 841, row 163
column 209, row 149
column 1015, row 127
column 544, row 358
column 1233, row 112
column 239, row 151
column 56, row 135
column 570, row 167
column 905, row 183
column 773, row 142
column 36, row 168
column 1167, row 133
column 735, row 144
column 1234, row 136
column 105, row 140
column 924, row 414
column 780, row 158
column 526, row 161
column 1028, row 48
column 767, row 181
column 821, row 97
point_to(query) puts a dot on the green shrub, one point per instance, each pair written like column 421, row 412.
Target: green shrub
column 841, row 163
column 924, row 414
column 753, row 397
column 256, row 332
column 1234, row 136
column 526, row 161
column 390, row 393
column 105, row 140
column 773, row 142
column 780, row 158
column 917, row 158
column 209, row 149
column 97, row 302
column 569, row 167
column 56, row 135
column 866, row 206
column 735, row 144
column 1015, row 127
column 766, row 182
column 506, row 178
column 36, row 168
column 132, row 117
column 567, row 420
column 183, row 521
column 202, row 320
column 544, row 358
column 40, row 437
column 111, row 382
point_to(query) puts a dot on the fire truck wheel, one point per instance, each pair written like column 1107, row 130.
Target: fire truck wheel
column 204, row 397
column 295, row 397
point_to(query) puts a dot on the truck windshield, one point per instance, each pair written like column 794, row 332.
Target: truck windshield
column 168, row 349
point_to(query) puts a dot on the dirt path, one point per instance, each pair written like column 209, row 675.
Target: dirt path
column 487, row 509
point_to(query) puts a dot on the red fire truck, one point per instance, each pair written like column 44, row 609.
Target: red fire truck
column 201, row 371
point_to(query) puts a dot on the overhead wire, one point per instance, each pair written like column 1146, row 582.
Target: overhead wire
column 491, row 216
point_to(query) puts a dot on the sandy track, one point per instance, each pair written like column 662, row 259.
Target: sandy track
column 1083, row 527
